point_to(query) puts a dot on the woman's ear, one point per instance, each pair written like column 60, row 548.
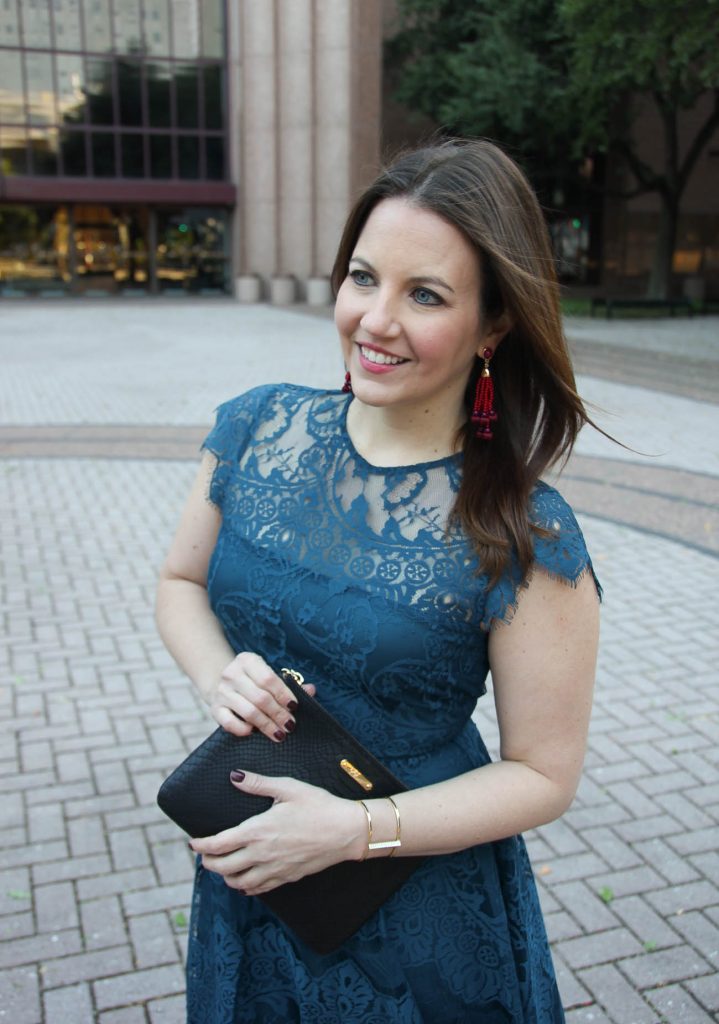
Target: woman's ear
column 494, row 332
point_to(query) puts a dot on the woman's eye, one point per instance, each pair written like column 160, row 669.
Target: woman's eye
column 361, row 277
column 426, row 298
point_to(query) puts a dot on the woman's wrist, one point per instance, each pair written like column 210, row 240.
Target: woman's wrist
column 382, row 828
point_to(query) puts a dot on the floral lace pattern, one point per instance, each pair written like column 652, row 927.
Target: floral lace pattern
column 348, row 573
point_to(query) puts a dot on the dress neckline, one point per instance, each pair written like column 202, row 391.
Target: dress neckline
column 456, row 458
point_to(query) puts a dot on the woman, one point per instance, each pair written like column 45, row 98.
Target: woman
column 392, row 541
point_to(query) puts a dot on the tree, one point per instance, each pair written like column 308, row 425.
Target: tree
column 496, row 70
column 557, row 80
column 628, row 51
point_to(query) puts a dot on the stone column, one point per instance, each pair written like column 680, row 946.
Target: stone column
column 305, row 119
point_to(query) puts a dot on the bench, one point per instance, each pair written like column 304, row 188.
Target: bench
column 610, row 305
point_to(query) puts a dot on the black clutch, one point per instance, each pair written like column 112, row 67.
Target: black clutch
column 326, row 908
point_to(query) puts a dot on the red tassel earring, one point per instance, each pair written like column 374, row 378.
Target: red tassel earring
column 483, row 414
column 347, row 386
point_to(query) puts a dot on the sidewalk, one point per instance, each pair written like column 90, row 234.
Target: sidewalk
column 95, row 883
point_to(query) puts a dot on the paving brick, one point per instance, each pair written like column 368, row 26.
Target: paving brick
column 680, row 898
column 697, row 841
column 162, row 897
column 129, row 849
column 16, row 926
column 701, row 933
column 102, row 923
column 669, row 864
column 72, row 1003
column 139, row 987
column 610, row 847
column 616, row 997
column 706, row 991
column 73, row 868
column 87, row 966
column 55, row 907
column 87, row 836
column 20, row 996
column 588, row 1015
column 168, row 1011
column 572, row 992
column 600, row 947
column 684, row 811
column 664, row 966
column 585, row 905
column 677, row 1006
column 153, row 941
column 126, row 1015
column 38, row 947
column 116, row 882
column 647, row 925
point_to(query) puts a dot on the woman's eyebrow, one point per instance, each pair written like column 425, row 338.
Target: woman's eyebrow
column 420, row 279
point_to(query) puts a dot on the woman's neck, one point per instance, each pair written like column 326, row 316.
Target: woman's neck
column 394, row 436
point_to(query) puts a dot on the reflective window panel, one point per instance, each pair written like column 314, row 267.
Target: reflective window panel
column 34, row 243
column 192, row 249
column 187, row 90
column 215, row 157
column 43, row 146
column 156, row 28
column 68, row 34
column 12, row 99
column 132, row 155
column 99, row 88
column 127, row 26
column 129, row 85
column 36, row 23
column 160, row 84
column 161, row 156
column 9, row 23
column 185, row 28
column 214, row 81
column 13, row 150
column 213, row 28
column 40, row 88
column 70, row 78
column 188, row 156
column 102, row 145
column 72, row 149
column 98, row 27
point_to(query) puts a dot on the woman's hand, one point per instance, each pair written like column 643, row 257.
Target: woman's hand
column 249, row 695
column 306, row 830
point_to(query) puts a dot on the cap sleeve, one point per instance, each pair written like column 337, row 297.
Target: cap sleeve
column 234, row 426
column 559, row 549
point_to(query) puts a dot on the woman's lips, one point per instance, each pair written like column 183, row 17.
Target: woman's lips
column 376, row 360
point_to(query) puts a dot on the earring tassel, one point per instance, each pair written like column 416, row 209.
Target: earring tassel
column 483, row 413
column 347, row 386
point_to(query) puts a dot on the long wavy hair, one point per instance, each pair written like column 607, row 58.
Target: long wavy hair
column 476, row 187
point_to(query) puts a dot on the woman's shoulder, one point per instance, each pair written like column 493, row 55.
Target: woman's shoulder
column 559, row 545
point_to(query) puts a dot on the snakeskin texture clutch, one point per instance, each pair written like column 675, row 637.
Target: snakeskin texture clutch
column 326, row 908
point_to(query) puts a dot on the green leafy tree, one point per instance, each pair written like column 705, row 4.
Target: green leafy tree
column 557, row 80
column 628, row 52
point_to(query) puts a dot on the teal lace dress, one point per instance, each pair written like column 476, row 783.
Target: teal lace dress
column 345, row 571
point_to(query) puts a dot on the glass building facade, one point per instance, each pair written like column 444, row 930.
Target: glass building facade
column 114, row 146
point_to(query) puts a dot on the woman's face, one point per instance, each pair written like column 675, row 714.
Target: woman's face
column 408, row 312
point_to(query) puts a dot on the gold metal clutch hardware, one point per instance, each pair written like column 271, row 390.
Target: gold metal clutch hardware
column 297, row 676
column 356, row 774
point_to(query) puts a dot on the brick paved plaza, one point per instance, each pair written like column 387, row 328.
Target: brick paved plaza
column 102, row 406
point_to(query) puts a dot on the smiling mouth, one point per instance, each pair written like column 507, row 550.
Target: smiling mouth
column 380, row 358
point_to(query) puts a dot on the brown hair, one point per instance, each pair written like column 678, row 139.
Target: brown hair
column 480, row 190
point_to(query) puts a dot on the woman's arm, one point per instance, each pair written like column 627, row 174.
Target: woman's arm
column 242, row 691
column 543, row 667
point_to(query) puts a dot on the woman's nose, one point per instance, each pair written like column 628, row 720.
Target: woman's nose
column 380, row 317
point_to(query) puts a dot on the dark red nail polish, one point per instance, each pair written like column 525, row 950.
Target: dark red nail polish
column 280, row 735
column 290, row 726
column 292, row 706
column 237, row 775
